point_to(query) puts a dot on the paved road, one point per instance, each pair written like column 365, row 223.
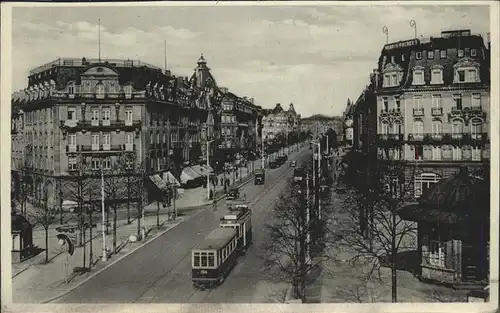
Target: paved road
column 161, row 270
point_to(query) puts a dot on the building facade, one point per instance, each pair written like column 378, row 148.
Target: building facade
column 98, row 113
column 319, row 125
column 280, row 122
column 433, row 101
column 348, row 123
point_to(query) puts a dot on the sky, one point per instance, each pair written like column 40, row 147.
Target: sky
column 315, row 57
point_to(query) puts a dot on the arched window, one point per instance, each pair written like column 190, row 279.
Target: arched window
column 385, row 127
column 423, row 182
column 418, row 128
column 71, row 89
column 396, row 128
column 437, row 127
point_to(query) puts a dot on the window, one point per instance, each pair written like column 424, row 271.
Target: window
column 158, row 138
column 476, row 129
column 471, row 75
column 437, row 76
column 473, row 52
column 106, row 139
column 106, row 164
column 106, row 114
column 128, row 116
column 460, row 53
column 430, row 54
column 72, row 164
column 95, row 164
column 436, row 254
column 476, row 100
column 95, row 114
column 95, row 141
column 211, row 259
column 457, row 153
column 457, row 100
column 418, row 128
column 72, row 140
column 456, row 128
column 436, row 127
column 419, row 151
column 71, row 89
column 204, row 259
column 385, row 107
column 128, row 91
column 442, row 54
column 72, row 114
column 396, row 128
column 436, row 101
column 392, row 59
column 196, row 260
column 402, row 57
column 476, row 154
column 419, row 55
column 130, row 138
column 387, row 80
column 397, row 103
column 417, row 102
column 436, row 153
column 418, row 77
column 423, row 182
column 394, row 80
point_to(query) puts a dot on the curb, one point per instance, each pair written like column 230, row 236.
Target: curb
column 112, row 263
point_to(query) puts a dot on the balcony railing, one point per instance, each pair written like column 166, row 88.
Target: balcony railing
column 449, row 138
column 418, row 111
column 437, row 111
column 113, row 125
column 101, row 148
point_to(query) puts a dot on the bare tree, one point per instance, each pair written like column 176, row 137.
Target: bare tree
column 44, row 216
column 388, row 234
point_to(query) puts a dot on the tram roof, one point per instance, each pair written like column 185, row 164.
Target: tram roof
column 217, row 239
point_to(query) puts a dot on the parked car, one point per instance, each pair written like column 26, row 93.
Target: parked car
column 260, row 176
column 273, row 164
column 233, row 193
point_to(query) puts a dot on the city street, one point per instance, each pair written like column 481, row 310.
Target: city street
column 161, row 270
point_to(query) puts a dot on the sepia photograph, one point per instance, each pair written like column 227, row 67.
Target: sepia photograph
column 280, row 154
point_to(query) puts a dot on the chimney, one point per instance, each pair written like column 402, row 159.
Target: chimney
column 168, row 73
column 251, row 100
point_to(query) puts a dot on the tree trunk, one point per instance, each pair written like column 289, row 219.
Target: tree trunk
column 128, row 199
column 138, row 218
column 114, row 229
column 158, row 214
column 394, row 260
column 47, row 244
column 91, row 252
column 84, row 241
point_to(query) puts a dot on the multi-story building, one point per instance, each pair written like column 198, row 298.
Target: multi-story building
column 280, row 122
column 239, row 124
column 93, row 112
column 433, row 101
column 319, row 124
column 348, row 131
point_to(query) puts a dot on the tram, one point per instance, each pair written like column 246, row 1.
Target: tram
column 239, row 217
column 214, row 258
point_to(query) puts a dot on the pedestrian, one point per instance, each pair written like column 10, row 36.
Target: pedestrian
column 236, row 174
column 216, row 180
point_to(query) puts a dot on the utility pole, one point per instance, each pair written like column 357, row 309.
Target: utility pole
column 104, row 253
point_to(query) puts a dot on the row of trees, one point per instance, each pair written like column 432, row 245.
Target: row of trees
column 123, row 184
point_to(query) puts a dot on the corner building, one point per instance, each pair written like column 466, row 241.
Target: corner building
column 433, row 99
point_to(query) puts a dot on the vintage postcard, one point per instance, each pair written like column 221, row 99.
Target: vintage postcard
column 277, row 156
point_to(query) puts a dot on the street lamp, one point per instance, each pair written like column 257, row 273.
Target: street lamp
column 314, row 175
column 208, row 167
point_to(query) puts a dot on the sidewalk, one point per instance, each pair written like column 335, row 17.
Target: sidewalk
column 37, row 282
column 343, row 282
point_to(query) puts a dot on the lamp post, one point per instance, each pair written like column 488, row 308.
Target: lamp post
column 208, row 166
column 262, row 152
column 104, row 253
column 314, row 175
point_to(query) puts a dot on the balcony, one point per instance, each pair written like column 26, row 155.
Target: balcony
column 390, row 139
column 101, row 148
column 101, row 125
column 437, row 111
column 418, row 112
column 467, row 113
column 72, row 148
column 415, row 137
column 128, row 147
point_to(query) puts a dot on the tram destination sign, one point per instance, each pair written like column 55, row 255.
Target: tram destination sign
column 402, row 44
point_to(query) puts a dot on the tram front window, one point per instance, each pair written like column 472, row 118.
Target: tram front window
column 211, row 259
column 203, row 259
column 196, row 259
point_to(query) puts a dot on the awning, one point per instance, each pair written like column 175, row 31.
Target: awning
column 169, row 179
column 188, row 174
column 199, row 170
column 156, row 179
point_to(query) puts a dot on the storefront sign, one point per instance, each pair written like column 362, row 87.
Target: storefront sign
column 402, row 44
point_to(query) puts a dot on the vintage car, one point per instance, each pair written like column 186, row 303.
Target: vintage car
column 233, row 193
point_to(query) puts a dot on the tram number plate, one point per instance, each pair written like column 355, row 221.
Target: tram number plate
column 204, row 272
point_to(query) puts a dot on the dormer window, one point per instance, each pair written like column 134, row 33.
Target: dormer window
column 393, row 59
column 419, row 55
column 460, row 53
column 473, row 52
column 466, row 71
column 418, row 76
column 403, row 57
column 442, row 54
column 436, row 74
column 430, row 54
column 393, row 73
column 128, row 91
column 71, row 90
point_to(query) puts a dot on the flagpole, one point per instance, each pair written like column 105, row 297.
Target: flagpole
column 99, row 40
